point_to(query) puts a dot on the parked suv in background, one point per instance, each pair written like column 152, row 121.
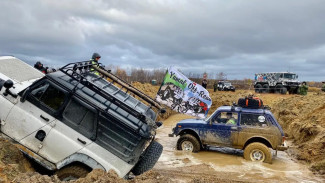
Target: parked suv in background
column 72, row 121
column 256, row 131
column 225, row 86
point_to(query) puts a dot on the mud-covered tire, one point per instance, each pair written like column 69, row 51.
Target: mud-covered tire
column 72, row 172
column 189, row 143
column 257, row 151
column 148, row 159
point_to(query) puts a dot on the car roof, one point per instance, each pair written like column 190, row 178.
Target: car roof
column 101, row 102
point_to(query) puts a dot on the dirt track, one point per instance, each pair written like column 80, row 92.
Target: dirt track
column 303, row 120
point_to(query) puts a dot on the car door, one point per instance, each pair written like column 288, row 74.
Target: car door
column 38, row 110
column 220, row 132
column 75, row 129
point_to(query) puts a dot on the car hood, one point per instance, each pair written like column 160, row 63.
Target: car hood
column 22, row 74
column 192, row 121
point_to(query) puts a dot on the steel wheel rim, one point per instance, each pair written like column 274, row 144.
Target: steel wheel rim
column 187, row 146
column 257, row 155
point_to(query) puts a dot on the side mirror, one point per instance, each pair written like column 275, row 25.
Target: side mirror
column 9, row 84
column 296, row 76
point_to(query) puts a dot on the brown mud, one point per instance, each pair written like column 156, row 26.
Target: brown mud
column 303, row 121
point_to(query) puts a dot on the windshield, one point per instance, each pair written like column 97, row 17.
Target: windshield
column 207, row 118
column 289, row 76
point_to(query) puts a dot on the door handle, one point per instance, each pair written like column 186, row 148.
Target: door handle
column 234, row 128
column 46, row 119
column 82, row 141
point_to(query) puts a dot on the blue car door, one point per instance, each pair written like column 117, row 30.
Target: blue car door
column 222, row 130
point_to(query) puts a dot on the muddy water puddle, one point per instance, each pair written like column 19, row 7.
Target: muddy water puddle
column 230, row 161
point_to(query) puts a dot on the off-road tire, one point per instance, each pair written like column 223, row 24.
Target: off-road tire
column 258, row 147
column 72, row 172
column 258, row 88
column 278, row 88
column 188, row 138
column 266, row 88
column 284, row 90
column 148, row 159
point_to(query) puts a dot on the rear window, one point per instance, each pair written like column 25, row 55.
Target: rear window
column 249, row 119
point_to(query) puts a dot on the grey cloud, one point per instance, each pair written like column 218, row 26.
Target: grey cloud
column 238, row 37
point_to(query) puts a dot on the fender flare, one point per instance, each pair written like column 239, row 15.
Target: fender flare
column 192, row 132
column 260, row 139
column 81, row 158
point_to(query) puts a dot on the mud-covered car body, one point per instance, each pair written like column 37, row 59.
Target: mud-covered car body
column 278, row 82
column 68, row 117
column 225, row 86
column 252, row 125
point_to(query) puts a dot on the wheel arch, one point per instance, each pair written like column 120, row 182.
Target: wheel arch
column 191, row 132
column 79, row 158
column 258, row 139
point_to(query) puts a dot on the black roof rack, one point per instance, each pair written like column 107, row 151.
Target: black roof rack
column 76, row 71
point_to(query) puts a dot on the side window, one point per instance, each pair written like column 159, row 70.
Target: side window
column 230, row 118
column 80, row 117
column 47, row 95
column 253, row 120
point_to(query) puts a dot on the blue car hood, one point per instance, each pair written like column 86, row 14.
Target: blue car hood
column 192, row 121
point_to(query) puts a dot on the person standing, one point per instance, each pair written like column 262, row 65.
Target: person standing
column 303, row 88
column 94, row 60
column 204, row 83
column 215, row 86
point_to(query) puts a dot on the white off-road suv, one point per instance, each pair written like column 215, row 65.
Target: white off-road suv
column 72, row 121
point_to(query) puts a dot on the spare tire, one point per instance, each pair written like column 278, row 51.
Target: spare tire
column 148, row 159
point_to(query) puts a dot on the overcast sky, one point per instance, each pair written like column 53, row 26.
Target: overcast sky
column 237, row 37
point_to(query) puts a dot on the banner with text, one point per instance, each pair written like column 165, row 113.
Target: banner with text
column 183, row 95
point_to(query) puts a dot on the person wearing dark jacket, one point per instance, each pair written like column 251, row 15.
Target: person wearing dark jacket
column 205, row 83
column 39, row 66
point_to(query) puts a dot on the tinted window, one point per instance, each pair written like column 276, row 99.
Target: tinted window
column 253, row 120
column 49, row 95
column 226, row 118
column 80, row 118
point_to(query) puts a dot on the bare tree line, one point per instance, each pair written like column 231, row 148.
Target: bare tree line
column 148, row 75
